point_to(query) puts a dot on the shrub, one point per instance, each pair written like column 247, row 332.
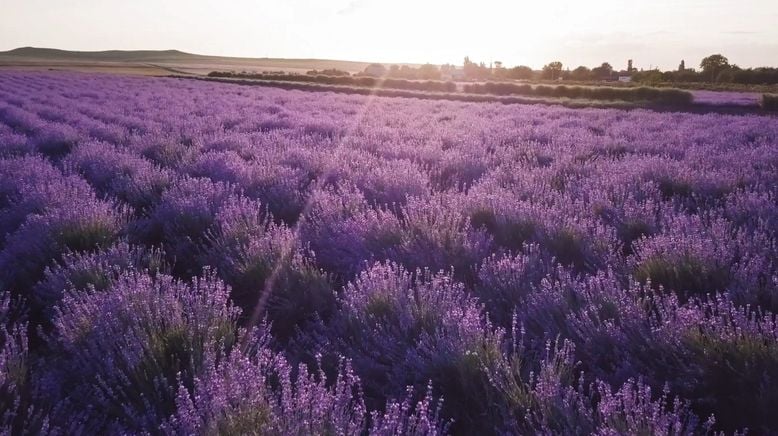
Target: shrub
column 43, row 239
column 184, row 217
column 509, row 232
column 390, row 183
column 55, row 140
column 734, row 366
column 402, row 418
column 345, row 233
column 579, row 242
column 656, row 95
column 132, row 345
column 267, row 269
column 688, row 258
column 345, row 80
column 20, row 119
column 440, row 238
column 14, row 368
column 498, row 88
column 538, row 398
column 633, row 409
column 328, row 72
column 630, row 229
column 403, row 329
column 23, row 407
column 226, row 166
column 552, row 306
column 511, row 223
column 569, row 246
column 770, row 102
column 31, row 185
column 13, row 144
column 168, row 152
column 96, row 270
column 753, row 210
column 699, row 350
column 505, row 281
column 276, row 186
column 545, row 400
column 261, row 392
column 127, row 176
column 685, row 273
column 20, row 180
column 282, row 189
column 608, row 321
column 457, row 170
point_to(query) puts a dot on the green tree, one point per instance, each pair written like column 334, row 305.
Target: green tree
column 713, row 65
column 475, row 71
column 651, row 77
column 581, row 73
column 429, row 72
column 604, row 71
column 520, row 72
column 552, row 70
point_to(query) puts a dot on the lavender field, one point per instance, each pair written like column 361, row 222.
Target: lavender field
column 184, row 257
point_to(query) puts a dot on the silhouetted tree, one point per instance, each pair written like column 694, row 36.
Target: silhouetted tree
column 604, row 71
column 475, row 71
column 520, row 72
column 552, row 70
column 581, row 73
column 713, row 65
column 428, row 72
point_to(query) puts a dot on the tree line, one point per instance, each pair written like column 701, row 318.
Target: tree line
column 713, row 69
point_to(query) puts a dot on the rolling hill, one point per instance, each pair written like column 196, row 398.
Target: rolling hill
column 158, row 62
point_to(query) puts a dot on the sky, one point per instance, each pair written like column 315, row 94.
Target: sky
column 654, row 33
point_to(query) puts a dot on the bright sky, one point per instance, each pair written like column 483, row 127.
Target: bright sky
column 529, row 32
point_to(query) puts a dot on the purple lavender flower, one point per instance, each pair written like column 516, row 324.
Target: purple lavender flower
column 82, row 225
column 124, row 350
column 96, row 270
column 404, row 329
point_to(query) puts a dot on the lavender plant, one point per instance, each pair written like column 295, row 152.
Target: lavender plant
column 122, row 352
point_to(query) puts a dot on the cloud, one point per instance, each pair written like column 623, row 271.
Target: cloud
column 620, row 40
column 353, row 6
column 741, row 32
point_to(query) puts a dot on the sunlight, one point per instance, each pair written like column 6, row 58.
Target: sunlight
column 362, row 217
column 658, row 33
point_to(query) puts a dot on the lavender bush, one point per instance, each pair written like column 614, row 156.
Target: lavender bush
column 123, row 351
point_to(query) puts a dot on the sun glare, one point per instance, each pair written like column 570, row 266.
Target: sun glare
column 388, row 218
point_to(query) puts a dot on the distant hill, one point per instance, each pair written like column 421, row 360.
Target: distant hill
column 170, row 60
column 99, row 56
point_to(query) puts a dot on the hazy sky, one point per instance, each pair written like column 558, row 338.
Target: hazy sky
column 588, row 32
